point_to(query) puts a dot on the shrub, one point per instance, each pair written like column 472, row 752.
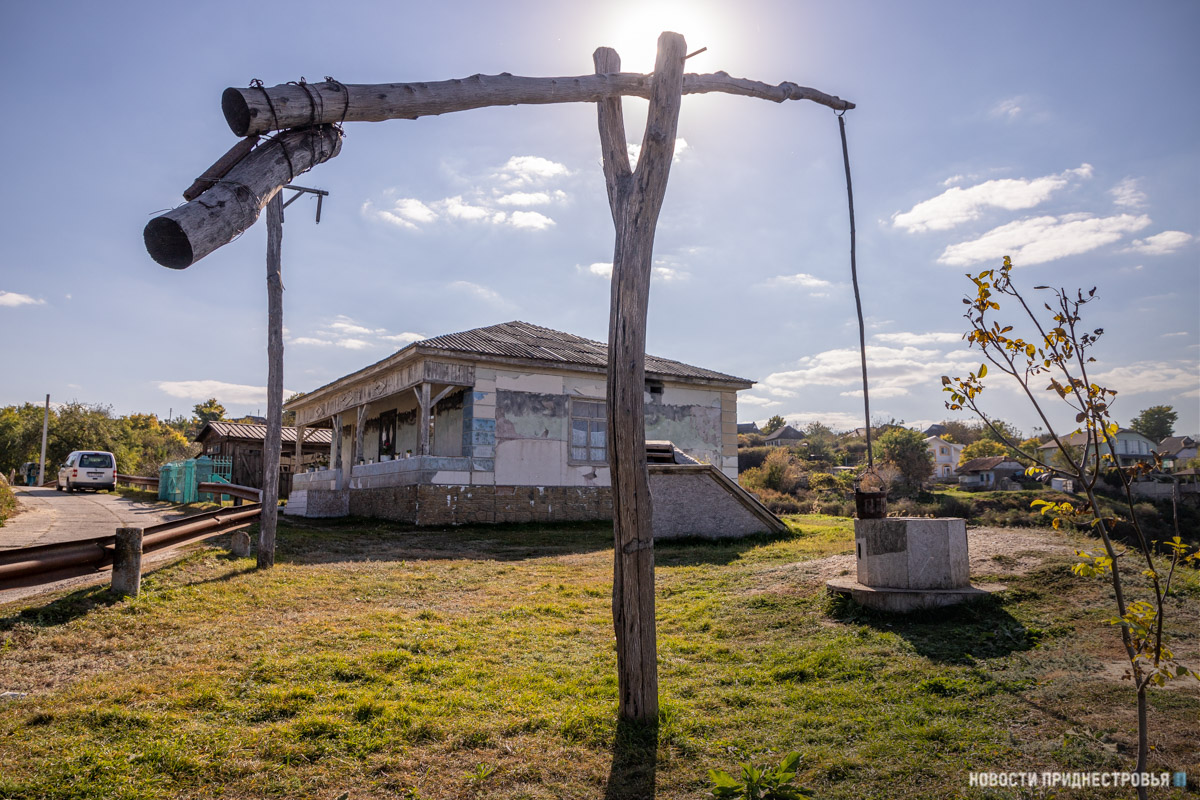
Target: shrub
column 751, row 457
column 778, row 502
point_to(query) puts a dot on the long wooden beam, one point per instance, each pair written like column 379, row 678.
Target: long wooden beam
column 186, row 234
column 257, row 110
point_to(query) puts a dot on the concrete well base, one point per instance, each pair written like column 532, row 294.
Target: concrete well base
column 902, row 601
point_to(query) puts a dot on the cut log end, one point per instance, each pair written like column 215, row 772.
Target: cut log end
column 236, row 111
column 167, row 243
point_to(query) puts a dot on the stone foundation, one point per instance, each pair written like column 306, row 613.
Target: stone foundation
column 461, row 505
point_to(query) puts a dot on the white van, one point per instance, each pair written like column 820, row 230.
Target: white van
column 88, row 469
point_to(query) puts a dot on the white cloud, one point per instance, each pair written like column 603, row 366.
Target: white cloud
column 526, row 170
column 601, row 269
column 751, row 400
column 403, row 338
column 407, row 213
column 224, row 392
column 891, row 371
column 526, row 199
column 957, row 205
column 836, row 420
column 13, row 299
column 801, row 279
column 1177, row 333
column 635, row 151
column 1007, row 109
column 669, row 274
column 1159, row 244
column 1040, row 239
column 954, row 179
column 530, row 220
column 880, row 392
column 916, row 339
column 346, row 333
column 1150, row 376
column 1127, row 194
column 456, row 208
column 482, row 292
column 348, row 327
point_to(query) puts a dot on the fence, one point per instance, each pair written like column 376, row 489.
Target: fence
column 43, row 564
column 179, row 481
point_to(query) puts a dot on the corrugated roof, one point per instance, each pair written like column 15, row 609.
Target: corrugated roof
column 522, row 340
column 242, row 430
column 984, row 463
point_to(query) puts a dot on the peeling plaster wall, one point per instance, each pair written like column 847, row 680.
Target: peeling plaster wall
column 447, row 427
column 531, row 426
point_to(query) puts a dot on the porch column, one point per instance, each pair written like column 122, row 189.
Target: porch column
column 357, row 456
column 298, row 466
column 423, row 403
column 335, row 449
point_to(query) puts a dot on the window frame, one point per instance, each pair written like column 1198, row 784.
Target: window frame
column 572, row 404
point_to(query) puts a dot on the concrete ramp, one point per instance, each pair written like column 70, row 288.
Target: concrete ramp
column 701, row 501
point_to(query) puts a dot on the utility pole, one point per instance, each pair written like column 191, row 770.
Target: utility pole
column 272, row 443
column 45, row 429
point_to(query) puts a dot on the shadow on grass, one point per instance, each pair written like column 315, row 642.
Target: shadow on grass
column 63, row 610
column 358, row 539
column 635, row 750
column 958, row 634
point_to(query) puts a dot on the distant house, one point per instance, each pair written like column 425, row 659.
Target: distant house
column 1176, row 451
column 785, row 436
column 988, row 472
column 508, row 423
column 748, row 427
column 945, row 456
column 242, row 444
column 1131, row 447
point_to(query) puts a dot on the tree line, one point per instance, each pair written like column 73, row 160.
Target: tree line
column 141, row 442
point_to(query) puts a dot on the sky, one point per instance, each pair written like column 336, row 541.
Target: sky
column 1066, row 135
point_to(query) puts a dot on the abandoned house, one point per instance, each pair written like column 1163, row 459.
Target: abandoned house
column 242, row 444
column 507, row 424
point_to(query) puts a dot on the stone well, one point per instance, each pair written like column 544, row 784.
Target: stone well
column 910, row 563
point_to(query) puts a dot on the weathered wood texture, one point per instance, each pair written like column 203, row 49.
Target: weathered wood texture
column 221, row 168
column 271, row 447
column 186, row 234
column 259, row 110
column 636, row 198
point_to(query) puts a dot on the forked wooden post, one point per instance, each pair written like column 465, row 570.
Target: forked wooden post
column 635, row 197
column 272, row 445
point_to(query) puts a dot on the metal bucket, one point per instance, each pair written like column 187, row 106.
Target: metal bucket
column 870, row 505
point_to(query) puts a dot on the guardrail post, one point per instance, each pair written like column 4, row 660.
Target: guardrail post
column 239, row 544
column 127, row 562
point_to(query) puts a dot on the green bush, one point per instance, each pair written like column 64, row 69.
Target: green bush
column 751, row 457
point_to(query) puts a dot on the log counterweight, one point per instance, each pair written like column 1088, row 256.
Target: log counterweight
column 186, row 234
column 260, row 110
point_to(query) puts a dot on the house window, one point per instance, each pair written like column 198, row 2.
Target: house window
column 589, row 432
column 944, row 451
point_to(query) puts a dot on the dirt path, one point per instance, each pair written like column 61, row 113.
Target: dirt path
column 49, row 517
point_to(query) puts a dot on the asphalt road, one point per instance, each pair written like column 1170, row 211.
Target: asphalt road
column 49, row 517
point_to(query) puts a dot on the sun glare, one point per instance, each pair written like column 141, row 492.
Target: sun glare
column 633, row 31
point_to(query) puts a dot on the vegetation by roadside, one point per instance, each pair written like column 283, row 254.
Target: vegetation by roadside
column 479, row 662
column 8, row 501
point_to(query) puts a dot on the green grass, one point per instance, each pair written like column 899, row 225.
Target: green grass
column 374, row 660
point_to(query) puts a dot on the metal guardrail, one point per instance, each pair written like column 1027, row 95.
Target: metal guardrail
column 137, row 480
column 232, row 489
column 42, row 564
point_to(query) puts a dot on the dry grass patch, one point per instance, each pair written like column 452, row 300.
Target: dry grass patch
column 480, row 663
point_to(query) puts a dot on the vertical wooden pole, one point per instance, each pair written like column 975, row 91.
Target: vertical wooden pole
column 359, row 426
column 273, row 444
column 335, row 452
column 45, row 430
column 636, row 199
column 423, row 413
column 298, row 464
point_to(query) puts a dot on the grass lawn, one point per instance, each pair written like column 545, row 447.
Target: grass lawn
column 479, row 663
